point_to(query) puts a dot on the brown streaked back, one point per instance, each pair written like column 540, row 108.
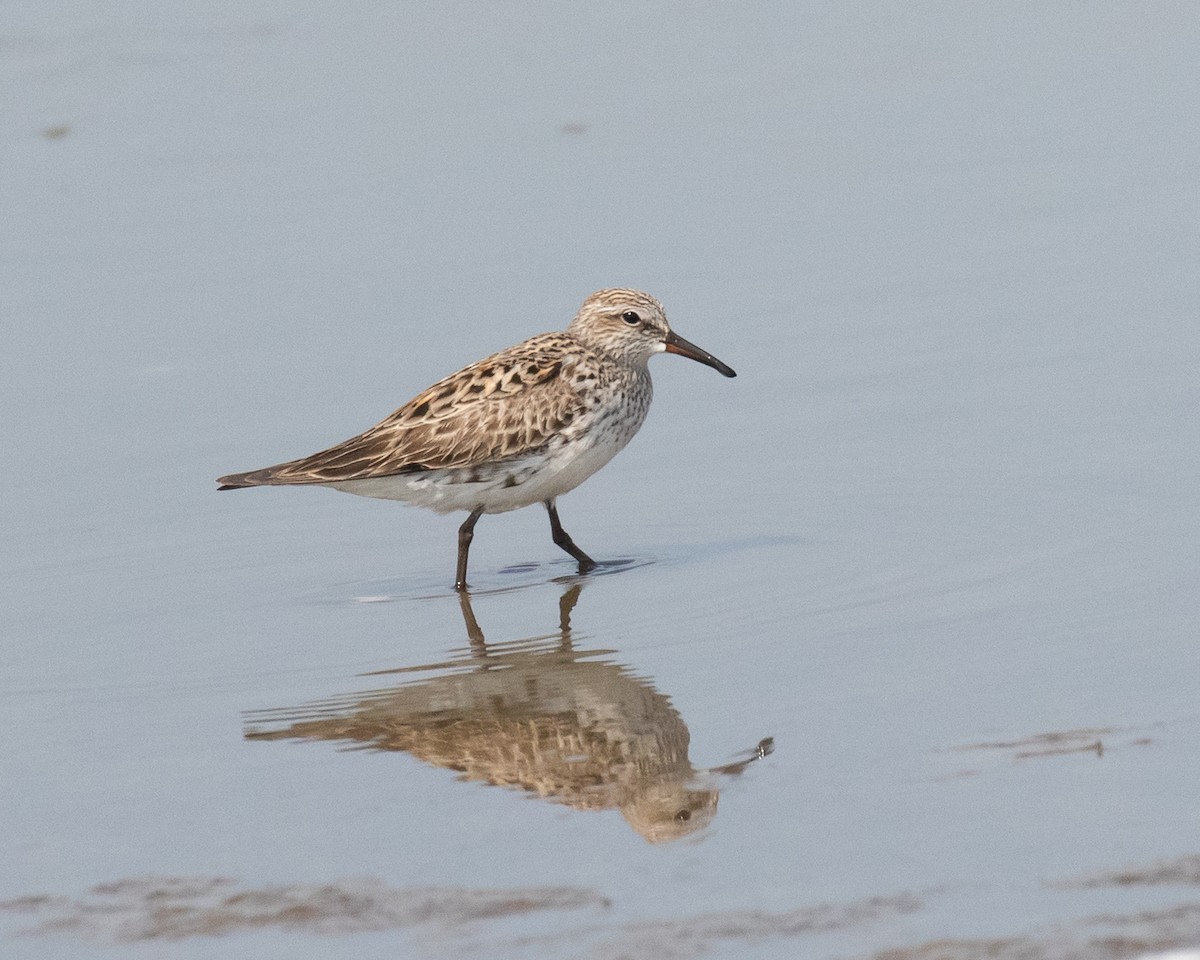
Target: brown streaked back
column 504, row 407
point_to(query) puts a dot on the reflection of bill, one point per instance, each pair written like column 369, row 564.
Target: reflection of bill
column 535, row 715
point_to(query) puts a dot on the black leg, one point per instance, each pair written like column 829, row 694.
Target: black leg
column 563, row 539
column 466, row 533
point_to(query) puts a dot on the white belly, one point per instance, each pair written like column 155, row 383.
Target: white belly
column 497, row 487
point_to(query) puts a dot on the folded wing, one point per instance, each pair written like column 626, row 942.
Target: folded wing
column 505, row 407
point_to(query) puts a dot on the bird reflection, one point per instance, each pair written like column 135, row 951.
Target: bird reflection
column 535, row 715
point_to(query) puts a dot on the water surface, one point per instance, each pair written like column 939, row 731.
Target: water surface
column 896, row 647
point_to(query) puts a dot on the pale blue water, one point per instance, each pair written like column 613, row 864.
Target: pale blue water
column 950, row 499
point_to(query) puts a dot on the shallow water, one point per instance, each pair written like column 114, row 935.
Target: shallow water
column 894, row 647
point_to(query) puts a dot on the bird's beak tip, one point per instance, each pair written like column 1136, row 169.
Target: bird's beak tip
column 685, row 348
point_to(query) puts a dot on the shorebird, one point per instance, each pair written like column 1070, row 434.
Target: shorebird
column 523, row 426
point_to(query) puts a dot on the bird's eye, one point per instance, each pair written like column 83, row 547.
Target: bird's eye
column 683, row 816
column 631, row 318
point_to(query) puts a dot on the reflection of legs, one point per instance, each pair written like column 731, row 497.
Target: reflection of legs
column 566, row 603
column 563, row 539
column 466, row 534
column 474, row 633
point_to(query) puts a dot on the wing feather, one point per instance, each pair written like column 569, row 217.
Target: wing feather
column 504, row 407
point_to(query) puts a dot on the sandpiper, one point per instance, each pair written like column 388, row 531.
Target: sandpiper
column 523, row 426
